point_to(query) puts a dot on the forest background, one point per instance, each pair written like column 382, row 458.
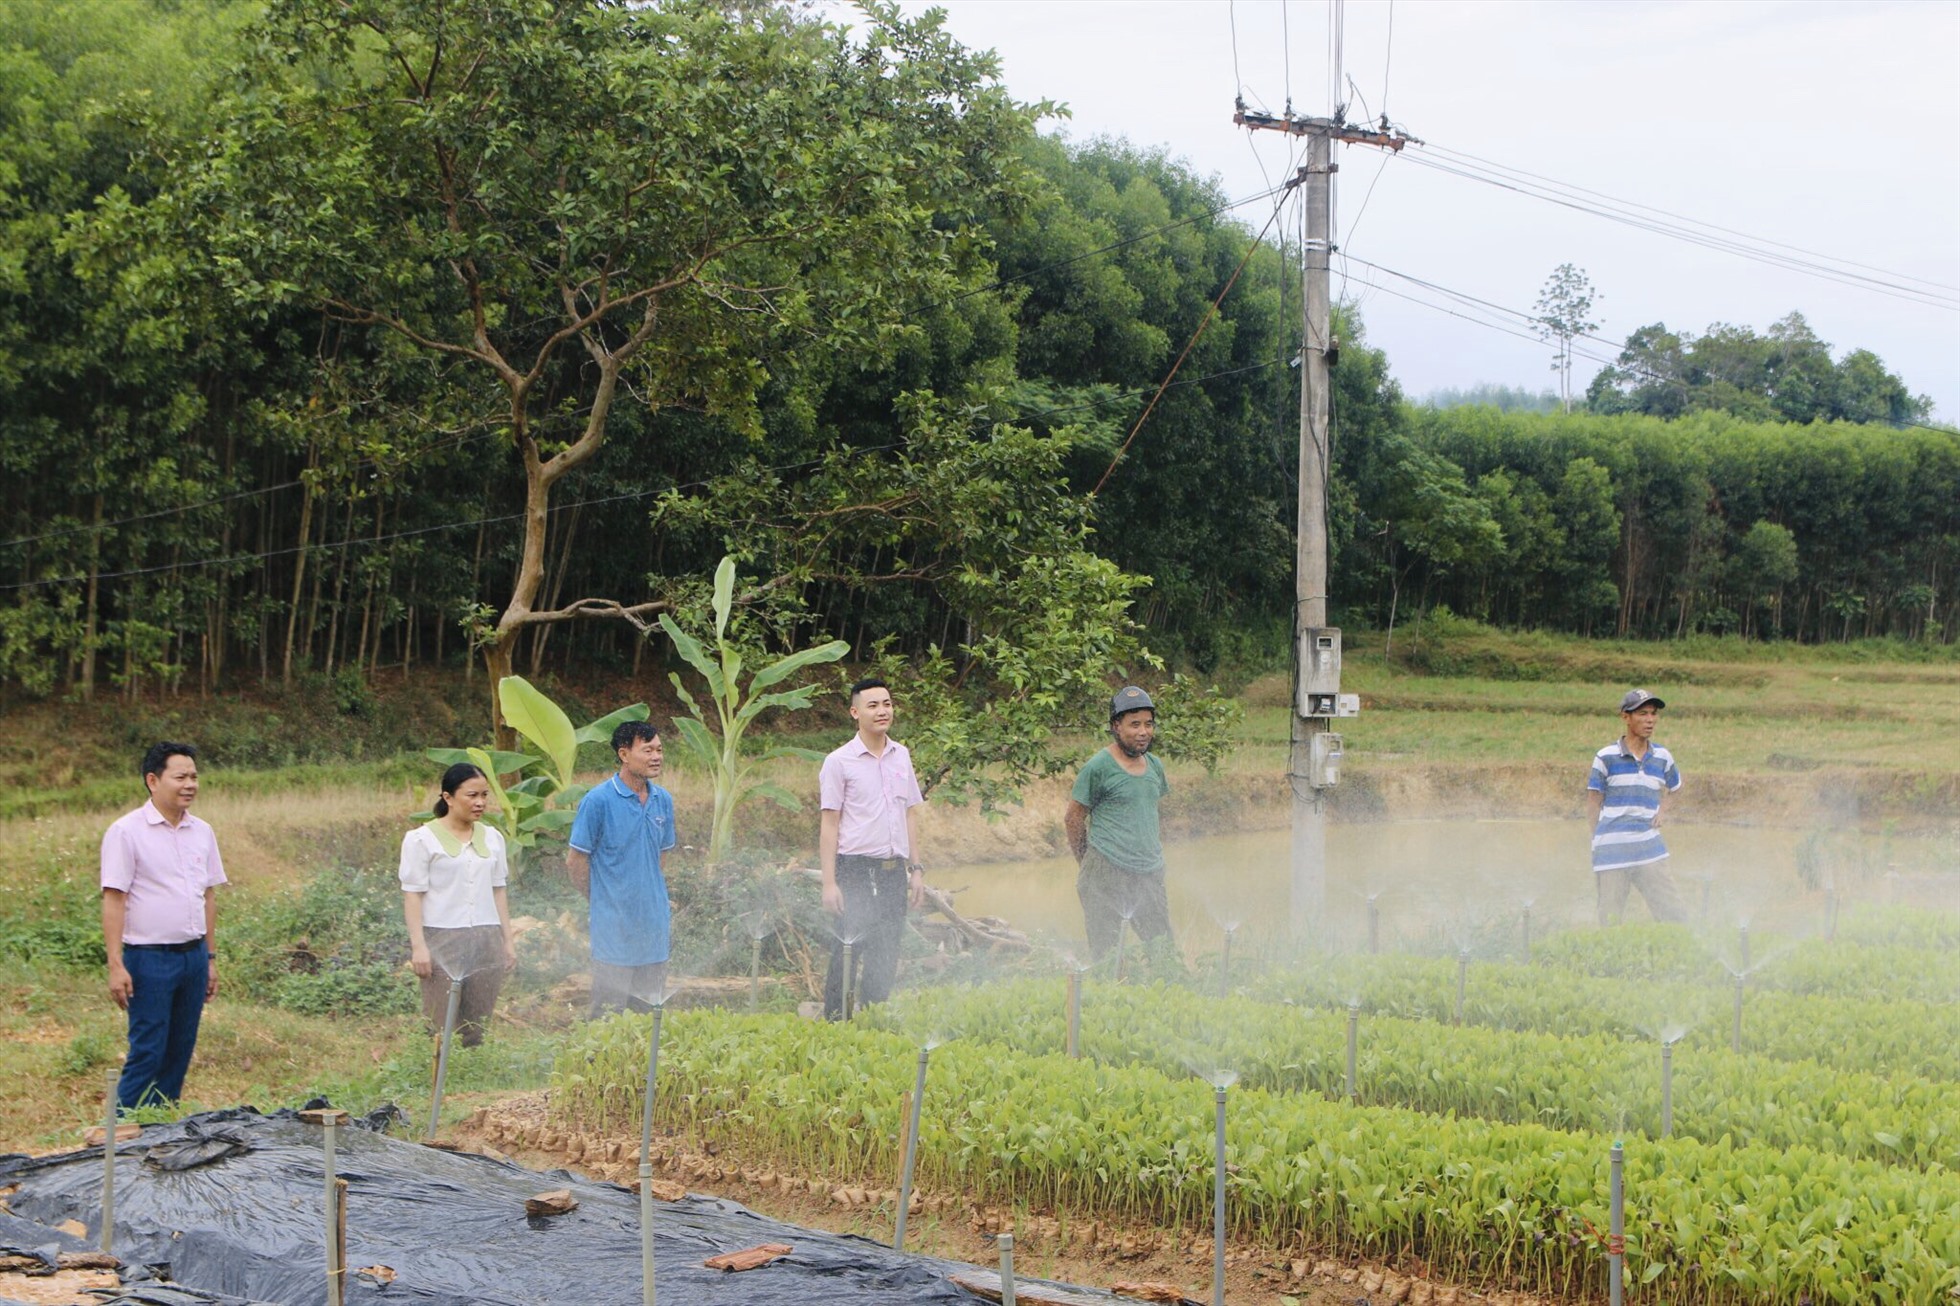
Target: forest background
column 345, row 339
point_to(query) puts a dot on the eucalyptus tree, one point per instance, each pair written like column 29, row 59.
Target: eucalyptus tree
column 1564, row 314
column 572, row 204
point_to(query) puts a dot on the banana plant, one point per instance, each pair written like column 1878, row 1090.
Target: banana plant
column 719, row 749
column 542, row 796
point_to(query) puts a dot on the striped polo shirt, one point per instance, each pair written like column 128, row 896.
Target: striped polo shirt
column 1632, row 789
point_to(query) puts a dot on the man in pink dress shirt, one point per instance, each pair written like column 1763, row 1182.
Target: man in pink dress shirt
column 865, row 841
column 160, row 873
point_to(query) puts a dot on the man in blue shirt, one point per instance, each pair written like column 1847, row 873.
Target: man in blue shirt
column 623, row 825
column 1627, row 793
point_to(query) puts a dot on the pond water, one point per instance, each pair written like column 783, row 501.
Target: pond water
column 1468, row 881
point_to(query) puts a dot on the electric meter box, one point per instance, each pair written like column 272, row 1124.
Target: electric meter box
column 1320, row 671
column 1324, row 766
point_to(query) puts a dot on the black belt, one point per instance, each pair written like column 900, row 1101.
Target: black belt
column 188, row 945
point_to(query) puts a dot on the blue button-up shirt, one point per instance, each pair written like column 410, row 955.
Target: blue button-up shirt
column 624, row 838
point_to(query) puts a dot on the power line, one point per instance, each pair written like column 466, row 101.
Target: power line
column 1231, row 16
column 1581, row 190
column 260, row 491
column 1189, row 345
column 1388, row 55
column 1469, row 301
column 1120, row 397
column 411, row 533
column 86, row 528
column 1741, row 247
column 1212, row 212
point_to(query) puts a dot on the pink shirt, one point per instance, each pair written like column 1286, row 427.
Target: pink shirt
column 870, row 795
column 164, row 870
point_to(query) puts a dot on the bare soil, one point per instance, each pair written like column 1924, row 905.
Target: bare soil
column 1072, row 1247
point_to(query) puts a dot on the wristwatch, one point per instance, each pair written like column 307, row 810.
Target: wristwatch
column 915, row 868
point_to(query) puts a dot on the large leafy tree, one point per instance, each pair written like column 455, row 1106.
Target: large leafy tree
column 569, row 204
column 1784, row 374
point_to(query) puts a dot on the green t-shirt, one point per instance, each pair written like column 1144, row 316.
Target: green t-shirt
column 1123, row 810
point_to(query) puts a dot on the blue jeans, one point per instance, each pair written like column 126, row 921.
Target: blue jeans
column 164, row 1008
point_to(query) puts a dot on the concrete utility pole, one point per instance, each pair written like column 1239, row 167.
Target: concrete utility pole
column 1313, row 760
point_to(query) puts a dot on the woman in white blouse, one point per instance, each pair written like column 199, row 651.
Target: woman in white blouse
column 453, row 874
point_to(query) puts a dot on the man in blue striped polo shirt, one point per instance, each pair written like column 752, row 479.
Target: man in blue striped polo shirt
column 1632, row 781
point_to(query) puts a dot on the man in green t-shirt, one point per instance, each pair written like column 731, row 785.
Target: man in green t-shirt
column 1112, row 829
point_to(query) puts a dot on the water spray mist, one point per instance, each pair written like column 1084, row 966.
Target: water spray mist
column 1462, row 980
column 1667, row 1088
column 1527, row 934
column 1225, row 963
column 1735, row 1039
column 1742, row 936
column 755, row 973
column 1374, row 923
column 1354, row 1024
column 1075, row 1014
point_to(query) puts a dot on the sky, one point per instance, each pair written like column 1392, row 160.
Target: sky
column 1828, row 127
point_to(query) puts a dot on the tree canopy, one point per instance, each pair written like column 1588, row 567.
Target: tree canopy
column 342, row 336
column 1783, row 375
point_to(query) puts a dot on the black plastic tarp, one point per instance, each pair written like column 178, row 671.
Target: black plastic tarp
column 248, row 1225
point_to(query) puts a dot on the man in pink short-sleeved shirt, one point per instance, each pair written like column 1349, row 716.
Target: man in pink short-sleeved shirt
column 160, row 873
column 865, row 841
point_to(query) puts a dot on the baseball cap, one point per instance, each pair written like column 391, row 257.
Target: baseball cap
column 1129, row 699
column 1639, row 698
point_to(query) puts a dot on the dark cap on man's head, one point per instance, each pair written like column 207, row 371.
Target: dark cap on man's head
column 1129, row 699
column 1639, row 698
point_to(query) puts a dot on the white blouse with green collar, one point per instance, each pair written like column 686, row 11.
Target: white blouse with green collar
column 456, row 879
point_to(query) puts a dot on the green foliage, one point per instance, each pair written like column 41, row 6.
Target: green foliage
column 1598, row 1082
column 367, row 988
column 1516, row 1203
column 89, row 1049
column 1785, row 375
column 1844, row 1034
column 336, row 946
column 719, row 750
column 56, row 920
column 1638, row 527
column 544, row 798
column 1565, row 312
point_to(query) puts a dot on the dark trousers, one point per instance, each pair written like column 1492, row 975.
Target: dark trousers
column 1112, row 897
column 165, row 1005
column 874, row 890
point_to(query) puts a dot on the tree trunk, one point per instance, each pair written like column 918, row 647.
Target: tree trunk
column 299, row 577
column 94, row 595
column 539, row 476
column 339, row 589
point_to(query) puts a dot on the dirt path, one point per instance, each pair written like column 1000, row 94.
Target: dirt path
column 1047, row 1244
